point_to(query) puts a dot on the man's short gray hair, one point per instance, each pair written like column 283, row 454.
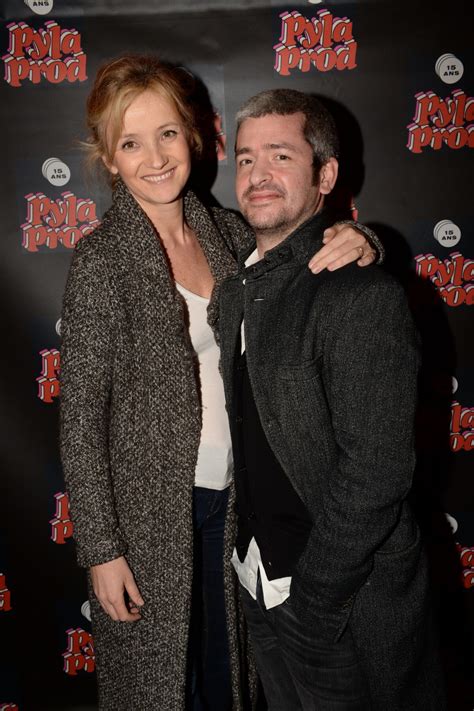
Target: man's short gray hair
column 319, row 128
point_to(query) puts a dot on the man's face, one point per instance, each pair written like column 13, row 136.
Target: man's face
column 275, row 183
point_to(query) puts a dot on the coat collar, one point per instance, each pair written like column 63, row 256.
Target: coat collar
column 141, row 251
column 299, row 246
column 138, row 240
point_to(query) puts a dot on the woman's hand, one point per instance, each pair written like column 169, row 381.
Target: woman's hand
column 110, row 582
column 342, row 245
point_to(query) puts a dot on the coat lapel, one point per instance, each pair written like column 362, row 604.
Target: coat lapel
column 230, row 320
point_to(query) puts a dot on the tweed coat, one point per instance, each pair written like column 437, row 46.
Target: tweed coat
column 130, row 430
column 333, row 360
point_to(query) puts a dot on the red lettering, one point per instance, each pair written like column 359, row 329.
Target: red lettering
column 47, row 389
column 426, row 265
column 452, row 295
column 292, row 27
column 86, row 211
column 469, row 295
column 326, row 19
column 20, row 36
column 80, row 652
column 346, row 55
column 456, row 137
column 61, row 531
column 464, row 441
column 50, row 362
column 456, row 411
column 467, row 557
column 323, row 58
column 16, row 70
column 48, row 383
column 306, row 42
column 5, row 595
column 55, row 71
column 287, row 58
column 342, row 30
column 459, row 113
column 469, row 110
column 468, row 578
column 62, row 506
column 77, row 640
column 61, row 525
column 427, row 104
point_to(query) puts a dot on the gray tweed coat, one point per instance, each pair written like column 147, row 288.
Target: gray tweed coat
column 130, row 429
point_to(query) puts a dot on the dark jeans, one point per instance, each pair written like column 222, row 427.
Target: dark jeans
column 210, row 687
column 299, row 672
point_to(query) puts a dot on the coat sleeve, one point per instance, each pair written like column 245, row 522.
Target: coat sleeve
column 88, row 331
column 371, row 237
column 370, row 382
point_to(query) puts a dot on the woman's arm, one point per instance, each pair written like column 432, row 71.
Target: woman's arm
column 347, row 241
column 87, row 352
column 88, row 331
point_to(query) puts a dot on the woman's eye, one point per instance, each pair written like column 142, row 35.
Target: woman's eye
column 170, row 133
column 128, row 145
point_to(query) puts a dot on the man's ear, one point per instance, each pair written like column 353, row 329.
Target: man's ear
column 110, row 166
column 328, row 176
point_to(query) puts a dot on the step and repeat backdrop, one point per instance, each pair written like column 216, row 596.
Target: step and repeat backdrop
column 399, row 78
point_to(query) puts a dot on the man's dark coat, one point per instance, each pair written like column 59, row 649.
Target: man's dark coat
column 333, row 361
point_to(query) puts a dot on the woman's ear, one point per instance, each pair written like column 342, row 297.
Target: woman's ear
column 328, row 176
column 109, row 165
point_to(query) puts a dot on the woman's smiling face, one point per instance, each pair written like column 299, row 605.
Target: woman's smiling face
column 152, row 155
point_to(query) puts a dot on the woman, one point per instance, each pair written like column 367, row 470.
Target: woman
column 144, row 435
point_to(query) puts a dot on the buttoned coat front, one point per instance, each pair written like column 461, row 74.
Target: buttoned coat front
column 130, row 430
column 332, row 360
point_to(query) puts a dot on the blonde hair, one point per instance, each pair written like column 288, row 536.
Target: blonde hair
column 118, row 83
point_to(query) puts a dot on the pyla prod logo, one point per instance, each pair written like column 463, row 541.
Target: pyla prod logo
column 324, row 42
column 52, row 222
column 51, row 52
column 441, row 122
column 452, row 277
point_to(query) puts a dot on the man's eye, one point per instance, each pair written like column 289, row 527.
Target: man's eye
column 282, row 156
column 244, row 161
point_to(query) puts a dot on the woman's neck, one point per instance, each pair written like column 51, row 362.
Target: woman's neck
column 169, row 221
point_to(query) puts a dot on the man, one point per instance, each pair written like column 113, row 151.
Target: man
column 320, row 377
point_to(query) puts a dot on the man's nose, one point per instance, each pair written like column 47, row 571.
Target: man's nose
column 260, row 172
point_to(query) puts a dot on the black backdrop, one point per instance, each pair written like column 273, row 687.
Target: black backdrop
column 399, row 78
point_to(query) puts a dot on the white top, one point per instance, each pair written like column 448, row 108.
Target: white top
column 274, row 591
column 214, row 463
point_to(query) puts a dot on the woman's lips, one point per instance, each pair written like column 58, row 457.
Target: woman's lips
column 159, row 178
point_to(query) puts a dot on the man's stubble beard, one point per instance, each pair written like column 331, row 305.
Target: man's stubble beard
column 271, row 227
